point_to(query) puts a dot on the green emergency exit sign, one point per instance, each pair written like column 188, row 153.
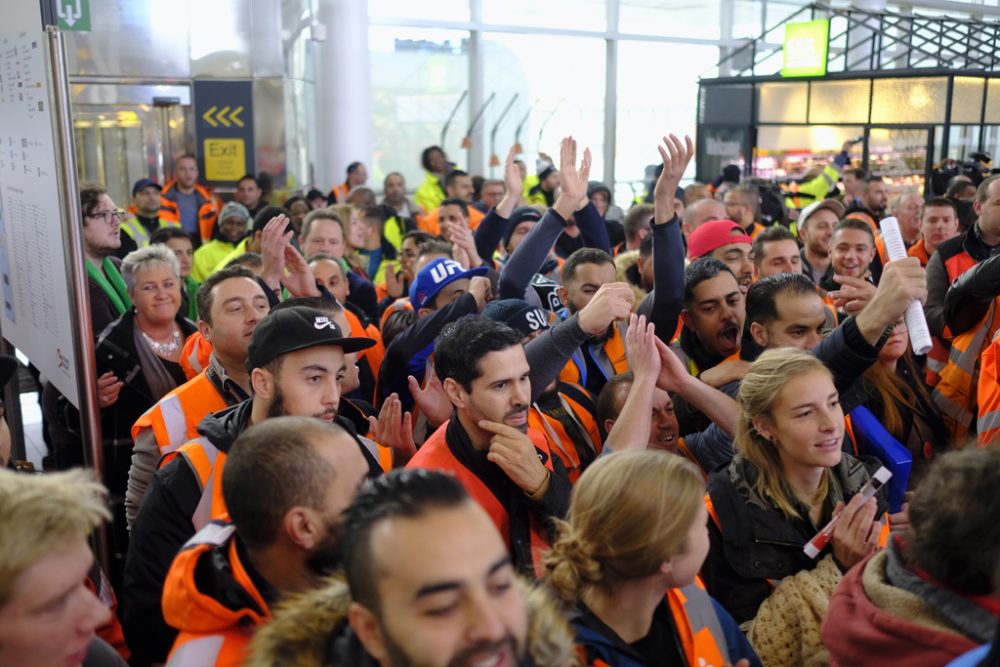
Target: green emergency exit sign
column 805, row 48
column 73, row 14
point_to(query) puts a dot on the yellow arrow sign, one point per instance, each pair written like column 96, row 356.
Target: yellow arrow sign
column 221, row 116
column 235, row 116
column 207, row 116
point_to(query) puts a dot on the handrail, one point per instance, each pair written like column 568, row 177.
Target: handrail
column 918, row 39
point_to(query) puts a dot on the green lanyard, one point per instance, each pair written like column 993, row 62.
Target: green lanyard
column 111, row 283
column 191, row 285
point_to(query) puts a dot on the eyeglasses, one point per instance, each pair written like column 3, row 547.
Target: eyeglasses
column 108, row 216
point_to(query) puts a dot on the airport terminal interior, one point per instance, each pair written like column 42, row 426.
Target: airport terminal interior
column 499, row 333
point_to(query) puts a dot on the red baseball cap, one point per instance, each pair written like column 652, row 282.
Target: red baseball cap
column 715, row 234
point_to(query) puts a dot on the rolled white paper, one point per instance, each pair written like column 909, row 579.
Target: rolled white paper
column 916, row 322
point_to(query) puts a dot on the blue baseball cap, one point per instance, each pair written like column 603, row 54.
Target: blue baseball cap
column 144, row 183
column 433, row 277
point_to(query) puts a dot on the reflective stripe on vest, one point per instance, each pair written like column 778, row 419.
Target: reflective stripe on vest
column 136, row 230
column 698, row 626
column 216, row 533
column 203, row 457
column 174, row 423
column 955, row 393
column 937, row 358
column 202, row 652
column 988, row 423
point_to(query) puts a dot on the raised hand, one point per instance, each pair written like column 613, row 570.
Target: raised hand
column 676, row 157
column 431, row 400
column 612, row 301
column 572, row 180
column 273, row 240
column 514, row 184
column 640, row 349
column 460, row 236
column 394, row 428
column 673, row 375
column 299, row 279
column 394, row 284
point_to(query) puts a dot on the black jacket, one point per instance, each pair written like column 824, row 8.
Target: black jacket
column 754, row 545
column 161, row 528
column 115, row 351
column 164, row 524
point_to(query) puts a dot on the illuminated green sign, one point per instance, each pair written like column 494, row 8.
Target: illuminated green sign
column 805, row 48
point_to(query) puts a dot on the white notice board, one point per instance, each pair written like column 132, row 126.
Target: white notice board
column 36, row 312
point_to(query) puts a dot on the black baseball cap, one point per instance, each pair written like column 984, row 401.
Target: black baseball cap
column 297, row 328
column 144, row 183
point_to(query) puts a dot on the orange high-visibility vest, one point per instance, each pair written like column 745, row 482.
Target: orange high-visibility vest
column 225, row 633
column 194, row 356
column 560, row 442
column 431, row 222
column 208, row 208
column 436, row 455
column 988, row 422
column 575, row 370
column 955, row 392
column 919, row 250
column 937, row 358
column 340, row 192
column 174, row 418
column 374, row 355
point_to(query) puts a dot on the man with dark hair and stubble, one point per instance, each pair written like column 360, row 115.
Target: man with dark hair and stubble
column 249, row 193
column 298, row 360
column 231, row 303
column 287, row 482
column 454, row 600
column 506, row 466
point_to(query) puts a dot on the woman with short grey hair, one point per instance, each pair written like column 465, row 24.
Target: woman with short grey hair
column 138, row 361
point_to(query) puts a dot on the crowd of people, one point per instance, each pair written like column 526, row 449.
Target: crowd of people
column 509, row 422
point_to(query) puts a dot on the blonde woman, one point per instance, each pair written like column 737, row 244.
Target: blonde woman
column 354, row 235
column 636, row 528
column 788, row 479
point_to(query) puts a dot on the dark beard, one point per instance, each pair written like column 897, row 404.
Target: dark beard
column 398, row 658
column 325, row 558
column 278, row 407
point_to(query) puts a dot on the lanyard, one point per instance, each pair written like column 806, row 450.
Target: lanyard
column 111, row 283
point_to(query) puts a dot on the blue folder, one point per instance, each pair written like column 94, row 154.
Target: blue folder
column 874, row 440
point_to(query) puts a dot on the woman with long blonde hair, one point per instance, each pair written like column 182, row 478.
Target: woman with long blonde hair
column 789, row 478
column 626, row 564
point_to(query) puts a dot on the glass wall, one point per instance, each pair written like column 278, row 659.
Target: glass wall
column 418, row 77
column 546, row 66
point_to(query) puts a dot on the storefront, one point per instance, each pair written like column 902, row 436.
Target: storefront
column 903, row 120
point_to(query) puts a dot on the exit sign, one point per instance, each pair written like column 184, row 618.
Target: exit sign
column 805, row 49
column 73, row 14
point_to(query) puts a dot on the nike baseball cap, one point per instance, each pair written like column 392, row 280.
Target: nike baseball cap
column 297, row 328
column 433, row 277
